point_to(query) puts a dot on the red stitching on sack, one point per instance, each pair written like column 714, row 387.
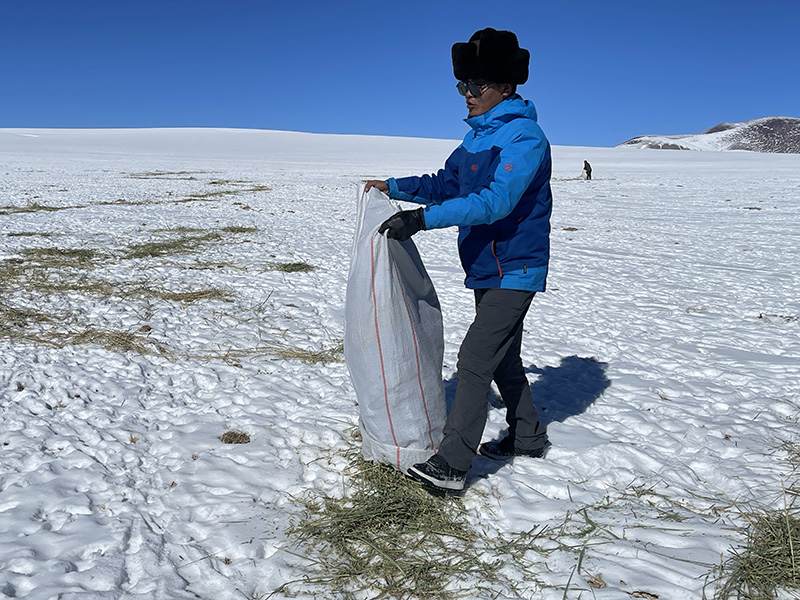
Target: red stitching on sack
column 380, row 350
column 419, row 369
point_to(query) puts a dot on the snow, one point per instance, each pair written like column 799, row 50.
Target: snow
column 664, row 357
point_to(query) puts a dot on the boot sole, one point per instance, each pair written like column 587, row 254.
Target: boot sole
column 445, row 486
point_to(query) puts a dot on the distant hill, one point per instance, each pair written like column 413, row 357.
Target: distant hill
column 770, row 134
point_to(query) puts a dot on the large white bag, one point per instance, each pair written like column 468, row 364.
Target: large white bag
column 393, row 342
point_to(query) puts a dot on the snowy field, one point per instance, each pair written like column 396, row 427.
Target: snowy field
column 151, row 301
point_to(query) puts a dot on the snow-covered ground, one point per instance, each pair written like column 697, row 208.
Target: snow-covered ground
column 665, row 358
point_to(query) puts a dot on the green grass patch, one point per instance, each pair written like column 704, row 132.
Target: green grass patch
column 388, row 537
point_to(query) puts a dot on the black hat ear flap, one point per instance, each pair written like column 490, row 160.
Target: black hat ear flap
column 465, row 61
column 520, row 66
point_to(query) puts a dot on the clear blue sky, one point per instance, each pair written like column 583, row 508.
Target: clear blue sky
column 601, row 71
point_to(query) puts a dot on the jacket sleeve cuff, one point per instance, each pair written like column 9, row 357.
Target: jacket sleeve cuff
column 394, row 192
column 433, row 220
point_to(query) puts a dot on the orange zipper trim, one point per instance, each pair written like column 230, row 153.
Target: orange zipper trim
column 499, row 268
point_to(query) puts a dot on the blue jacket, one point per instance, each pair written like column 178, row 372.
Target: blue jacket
column 496, row 188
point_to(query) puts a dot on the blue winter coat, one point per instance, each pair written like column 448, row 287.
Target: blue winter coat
column 496, row 188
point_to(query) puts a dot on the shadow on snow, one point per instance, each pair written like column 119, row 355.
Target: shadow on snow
column 558, row 393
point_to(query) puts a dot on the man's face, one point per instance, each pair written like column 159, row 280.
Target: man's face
column 491, row 95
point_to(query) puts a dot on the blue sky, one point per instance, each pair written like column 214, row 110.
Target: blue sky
column 601, row 71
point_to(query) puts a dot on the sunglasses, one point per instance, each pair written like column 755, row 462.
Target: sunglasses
column 476, row 89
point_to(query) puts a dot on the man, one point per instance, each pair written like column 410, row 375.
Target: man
column 587, row 170
column 496, row 188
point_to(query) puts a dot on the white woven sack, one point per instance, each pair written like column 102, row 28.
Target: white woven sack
column 393, row 342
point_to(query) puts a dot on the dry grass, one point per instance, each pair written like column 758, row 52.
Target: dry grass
column 57, row 258
column 217, row 194
column 330, row 355
column 239, row 229
column 32, row 208
column 235, row 437
column 13, row 318
column 179, row 230
column 770, row 561
column 294, row 267
column 388, row 537
column 55, row 337
column 770, row 558
column 182, row 245
column 116, row 341
column 168, row 175
column 31, row 234
column 124, row 202
column 210, row 294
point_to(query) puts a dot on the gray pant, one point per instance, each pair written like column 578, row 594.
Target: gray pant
column 491, row 350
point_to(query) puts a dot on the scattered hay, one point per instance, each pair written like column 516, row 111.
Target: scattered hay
column 218, row 194
column 56, row 258
column 115, row 341
column 770, row 561
column 294, row 267
column 239, row 229
column 32, row 208
column 18, row 317
column 235, row 437
column 168, row 175
column 331, row 355
column 59, row 285
column 182, row 245
column 181, row 230
column 388, row 537
column 202, row 265
column 124, row 202
column 210, row 294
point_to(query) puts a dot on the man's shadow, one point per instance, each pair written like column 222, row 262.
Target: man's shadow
column 558, row 393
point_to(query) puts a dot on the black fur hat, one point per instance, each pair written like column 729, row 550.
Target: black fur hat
column 492, row 56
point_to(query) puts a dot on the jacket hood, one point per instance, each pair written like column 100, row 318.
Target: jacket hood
column 515, row 107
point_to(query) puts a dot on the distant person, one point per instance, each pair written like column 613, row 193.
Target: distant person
column 587, row 170
column 496, row 188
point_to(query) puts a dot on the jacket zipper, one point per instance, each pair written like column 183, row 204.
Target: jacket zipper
column 499, row 268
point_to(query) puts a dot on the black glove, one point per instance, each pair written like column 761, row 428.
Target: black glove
column 401, row 226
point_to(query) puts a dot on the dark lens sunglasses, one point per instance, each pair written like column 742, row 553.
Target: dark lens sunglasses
column 476, row 89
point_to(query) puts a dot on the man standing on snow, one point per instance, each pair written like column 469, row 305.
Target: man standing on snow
column 496, row 188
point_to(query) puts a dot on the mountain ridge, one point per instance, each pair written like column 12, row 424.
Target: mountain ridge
column 768, row 134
